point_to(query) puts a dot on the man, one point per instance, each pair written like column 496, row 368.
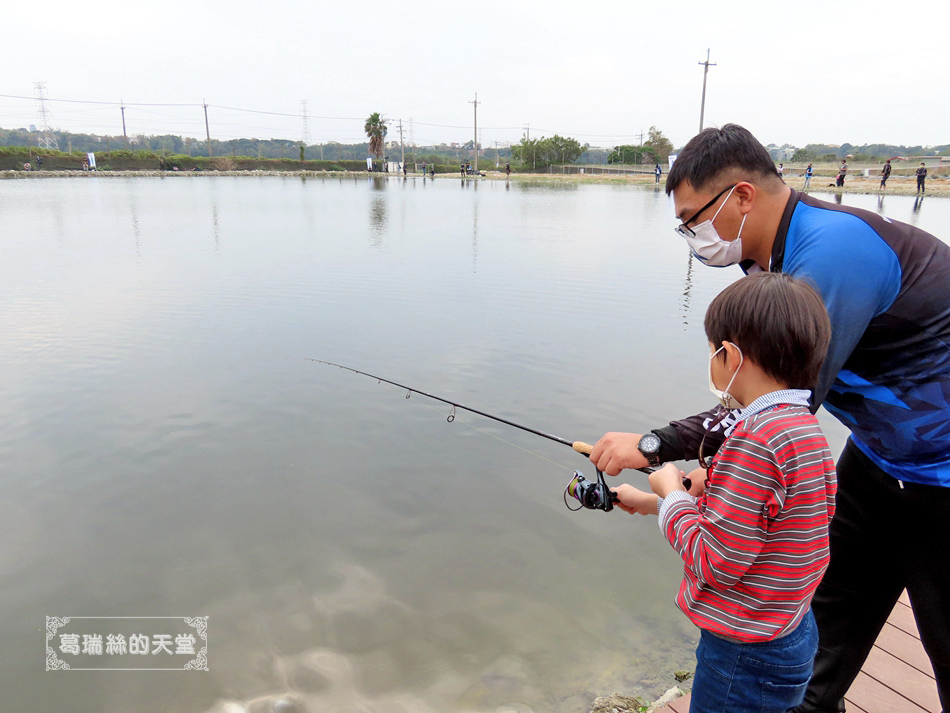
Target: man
column 885, row 174
column 921, row 176
column 842, row 172
column 886, row 286
column 809, row 172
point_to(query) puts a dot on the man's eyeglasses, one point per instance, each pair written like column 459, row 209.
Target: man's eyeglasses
column 684, row 229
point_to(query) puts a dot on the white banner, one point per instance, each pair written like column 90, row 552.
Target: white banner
column 92, row 161
column 369, row 164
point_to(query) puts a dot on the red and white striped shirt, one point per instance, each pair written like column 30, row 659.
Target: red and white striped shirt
column 755, row 544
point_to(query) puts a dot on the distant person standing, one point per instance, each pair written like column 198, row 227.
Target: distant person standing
column 809, row 172
column 39, row 166
column 658, row 172
column 405, row 170
column 423, row 169
column 921, row 175
column 781, row 171
column 432, row 170
column 885, row 174
column 842, row 172
column 508, row 170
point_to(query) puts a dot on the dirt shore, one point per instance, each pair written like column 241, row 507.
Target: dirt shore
column 897, row 185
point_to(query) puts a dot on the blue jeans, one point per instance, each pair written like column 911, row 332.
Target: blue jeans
column 767, row 677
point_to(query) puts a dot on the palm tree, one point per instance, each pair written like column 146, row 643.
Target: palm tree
column 375, row 129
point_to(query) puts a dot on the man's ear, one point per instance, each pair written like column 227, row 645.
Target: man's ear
column 746, row 193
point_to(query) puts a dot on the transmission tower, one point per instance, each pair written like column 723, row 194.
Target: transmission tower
column 47, row 139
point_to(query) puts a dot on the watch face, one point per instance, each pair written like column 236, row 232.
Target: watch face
column 649, row 444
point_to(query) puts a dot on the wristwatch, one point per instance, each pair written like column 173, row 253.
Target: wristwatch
column 649, row 446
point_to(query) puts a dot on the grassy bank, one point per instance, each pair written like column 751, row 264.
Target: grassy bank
column 897, row 185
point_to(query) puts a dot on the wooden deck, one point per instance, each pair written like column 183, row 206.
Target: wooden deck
column 896, row 678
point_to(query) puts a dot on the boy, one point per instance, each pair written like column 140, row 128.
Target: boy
column 755, row 540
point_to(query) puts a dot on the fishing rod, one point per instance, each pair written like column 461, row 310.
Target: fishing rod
column 579, row 446
column 590, row 494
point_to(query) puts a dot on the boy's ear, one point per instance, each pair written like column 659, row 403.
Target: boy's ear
column 733, row 356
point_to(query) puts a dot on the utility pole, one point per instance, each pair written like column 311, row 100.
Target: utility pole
column 402, row 145
column 125, row 136
column 527, row 139
column 476, row 130
column 305, row 129
column 702, row 107
column 207, row 130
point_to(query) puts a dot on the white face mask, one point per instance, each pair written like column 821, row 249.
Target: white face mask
column 710, row 248
column 725, row 398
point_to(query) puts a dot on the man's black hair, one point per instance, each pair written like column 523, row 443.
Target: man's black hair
column 712, row 152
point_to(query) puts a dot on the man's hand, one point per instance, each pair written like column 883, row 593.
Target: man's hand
column 665, row 480
column 617, row 451
column 632, row 500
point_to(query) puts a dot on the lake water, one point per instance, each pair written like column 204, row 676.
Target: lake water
column 166, row 449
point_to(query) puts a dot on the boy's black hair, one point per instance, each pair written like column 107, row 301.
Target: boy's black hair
column 778, row 321
column 712, row 152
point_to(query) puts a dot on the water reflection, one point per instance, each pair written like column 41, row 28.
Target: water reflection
column 880, row 204
column 378, row 211
column 474, row 232
column 134, row 214
column 687, row 287
column 215, row 229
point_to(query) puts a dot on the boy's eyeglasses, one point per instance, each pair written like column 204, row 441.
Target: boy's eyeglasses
column 684, row 229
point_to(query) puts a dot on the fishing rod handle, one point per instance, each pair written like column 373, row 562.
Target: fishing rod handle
column 582, row 448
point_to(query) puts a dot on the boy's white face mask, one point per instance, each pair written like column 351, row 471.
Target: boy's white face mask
column 725, row 398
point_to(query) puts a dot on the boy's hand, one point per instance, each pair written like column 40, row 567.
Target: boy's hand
column 617, row 451
column 697, row 479
column 632, row 500
column 665, row 480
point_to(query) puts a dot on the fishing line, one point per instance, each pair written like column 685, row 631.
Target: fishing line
column 496, row 437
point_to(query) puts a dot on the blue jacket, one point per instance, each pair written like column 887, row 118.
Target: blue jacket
column 886, row 286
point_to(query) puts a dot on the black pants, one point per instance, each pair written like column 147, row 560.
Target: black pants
column 884, row 538
column 920, row 184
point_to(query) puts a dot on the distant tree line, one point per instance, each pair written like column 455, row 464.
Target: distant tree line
column 865, row 152
column 656, row 149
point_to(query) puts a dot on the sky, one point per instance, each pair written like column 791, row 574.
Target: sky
column 829, row 71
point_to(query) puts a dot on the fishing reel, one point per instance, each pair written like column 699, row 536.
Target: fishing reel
column 594, row 495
